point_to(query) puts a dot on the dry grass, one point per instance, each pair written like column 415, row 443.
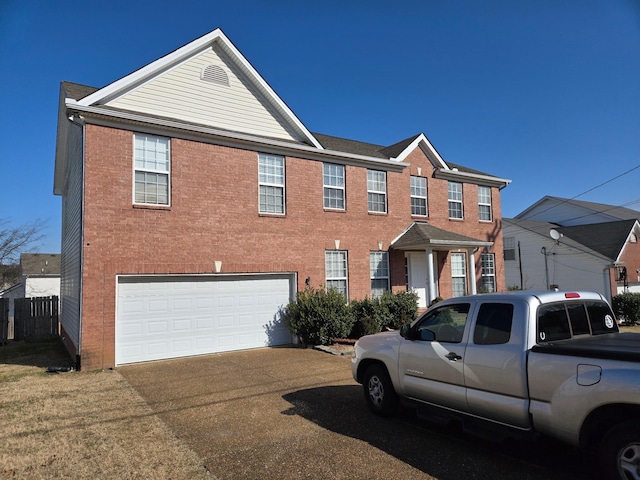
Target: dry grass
column 80, row 425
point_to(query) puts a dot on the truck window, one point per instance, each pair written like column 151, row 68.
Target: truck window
column 578, row 319
column 445, row 324
column 493, row 326
column 601, row 318
column 553, row 323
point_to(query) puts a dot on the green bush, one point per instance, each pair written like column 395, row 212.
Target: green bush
column 319, row 316
column 367, row 317
column 398, row 309
column 626, row 306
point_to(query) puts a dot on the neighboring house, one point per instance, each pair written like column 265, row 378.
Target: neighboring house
column 196, row 204
column 567, row 212
column 573, row 245
column 39, row 276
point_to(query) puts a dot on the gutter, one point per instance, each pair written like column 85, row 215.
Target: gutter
column 105, row 117
column 477, row 178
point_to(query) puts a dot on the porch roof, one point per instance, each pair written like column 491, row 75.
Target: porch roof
column 421, row 235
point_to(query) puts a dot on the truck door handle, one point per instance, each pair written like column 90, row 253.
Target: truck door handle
column 454, row 357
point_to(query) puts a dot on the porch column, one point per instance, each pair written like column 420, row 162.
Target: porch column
column 431, row 277
column 472, row 271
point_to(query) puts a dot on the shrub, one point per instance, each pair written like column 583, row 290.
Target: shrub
column 319, row 316
column 398, row 308
column 391, row 310
column 366, row 314
column 626, row 306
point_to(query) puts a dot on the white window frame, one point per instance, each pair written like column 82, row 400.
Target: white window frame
column 456, row 197
column 484, row 203
column 488, row 262
column 333, row 180
column 379, row 270
column 418, row 195
column 149, row 161
column 376, row 188
column 273, row 178
column 458, row 272
column 336, row 264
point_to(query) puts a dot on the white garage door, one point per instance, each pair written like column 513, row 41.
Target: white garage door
column 170, row 317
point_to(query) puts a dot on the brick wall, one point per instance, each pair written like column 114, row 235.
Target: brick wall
column 214, row 217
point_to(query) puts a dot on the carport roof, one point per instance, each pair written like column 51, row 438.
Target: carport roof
column 421, row 235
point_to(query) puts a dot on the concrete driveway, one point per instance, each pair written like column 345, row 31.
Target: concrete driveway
column 291, row 413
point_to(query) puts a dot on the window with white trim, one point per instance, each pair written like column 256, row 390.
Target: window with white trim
column 151, row 170
column 377, row 191
column 455, row 200
column 336, row 271
column 488, row 272
column 509, row 248
column 271, row 184
column 484, row 203
column 333, row 182
column 458, row 275
column 418, row 196
column 379, row 266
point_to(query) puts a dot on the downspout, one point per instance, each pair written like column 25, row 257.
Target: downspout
column 81, row 279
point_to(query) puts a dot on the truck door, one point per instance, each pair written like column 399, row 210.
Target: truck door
column 495, row 363
column 431, row 358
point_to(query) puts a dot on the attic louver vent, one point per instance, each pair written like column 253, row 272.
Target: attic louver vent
column 215, row 74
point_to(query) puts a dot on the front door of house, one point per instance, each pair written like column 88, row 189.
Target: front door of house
column 418, row 276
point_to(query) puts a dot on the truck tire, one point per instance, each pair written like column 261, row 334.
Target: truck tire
column 620, row 452
column 379, row 392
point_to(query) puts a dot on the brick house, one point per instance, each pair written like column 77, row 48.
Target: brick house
column 195, row 204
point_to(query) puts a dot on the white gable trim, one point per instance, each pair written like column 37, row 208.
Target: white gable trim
column 423, row 142
column 180, row 55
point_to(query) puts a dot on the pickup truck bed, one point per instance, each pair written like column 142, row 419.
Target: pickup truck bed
column 616, row 346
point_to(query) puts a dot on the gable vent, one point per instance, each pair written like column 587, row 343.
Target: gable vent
column 215, row 74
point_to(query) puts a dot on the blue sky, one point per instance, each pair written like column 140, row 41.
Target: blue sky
column 543, row 92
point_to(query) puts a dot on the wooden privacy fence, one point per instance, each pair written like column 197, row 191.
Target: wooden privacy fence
column 36, row 319
column 4, row 320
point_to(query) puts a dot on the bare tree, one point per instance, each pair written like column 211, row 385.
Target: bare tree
column 16, row 240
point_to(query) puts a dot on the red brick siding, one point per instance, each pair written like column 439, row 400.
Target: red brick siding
column 630, row 258
column 214, row 216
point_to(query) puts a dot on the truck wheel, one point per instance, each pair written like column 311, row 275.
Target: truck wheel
column 378, row 391
column 620, row 452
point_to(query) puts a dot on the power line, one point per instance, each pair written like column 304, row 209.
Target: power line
column 567, row 200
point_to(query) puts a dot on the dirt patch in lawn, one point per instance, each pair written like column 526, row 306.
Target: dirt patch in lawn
column 80, row 425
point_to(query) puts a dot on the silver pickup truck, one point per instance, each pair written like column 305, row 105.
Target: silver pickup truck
column 551, row 363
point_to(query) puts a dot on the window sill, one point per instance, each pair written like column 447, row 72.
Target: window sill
column 456, row 219
column 151, row 207
column 379, row 214
column 335, row 210
column 272, row 215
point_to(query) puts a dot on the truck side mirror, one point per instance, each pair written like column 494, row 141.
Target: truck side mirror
column 404, row 331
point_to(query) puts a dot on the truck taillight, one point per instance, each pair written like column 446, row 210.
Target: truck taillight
column 571, row 295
